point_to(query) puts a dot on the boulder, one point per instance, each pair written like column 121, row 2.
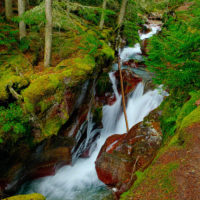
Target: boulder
column 122, row 155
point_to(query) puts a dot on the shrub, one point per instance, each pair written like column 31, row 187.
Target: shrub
column 13, row 123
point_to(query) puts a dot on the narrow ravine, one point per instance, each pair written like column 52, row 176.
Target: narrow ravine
column 80, row 181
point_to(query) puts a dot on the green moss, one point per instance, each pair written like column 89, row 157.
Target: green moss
column 103, row 84
column 27, row 197
column 12, row 68
column 188, row 107
column 97, row 115
column 39, row 89
column 77, row 68
column 52, row 126
column 193, row 117
column 107, row 51
column 16, row 62
column 63, row 46
column 17, row 82
column 159, row 175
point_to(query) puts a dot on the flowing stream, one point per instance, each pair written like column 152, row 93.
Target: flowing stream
column 80, row 181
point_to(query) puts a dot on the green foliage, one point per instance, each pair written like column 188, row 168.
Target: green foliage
column 194, row 11
column 8, row 34
column 173, row 57
column 131, row 23
column 90, row 44
column 103, row 85
column 149, row 6
column 24, row 44
column 13, row 122
column 33, row 16
column 88, row 2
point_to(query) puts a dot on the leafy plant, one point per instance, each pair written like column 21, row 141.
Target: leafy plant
column 13, row 123
column 8, row 34
column 173, row 57
column 90, row 44
column 131, row 23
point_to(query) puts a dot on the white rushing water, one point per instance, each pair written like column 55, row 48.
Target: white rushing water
column 73, row 182
column 135, row 52
column 80, row 181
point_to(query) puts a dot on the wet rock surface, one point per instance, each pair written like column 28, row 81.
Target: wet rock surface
column 122, row 155
column 130, row 80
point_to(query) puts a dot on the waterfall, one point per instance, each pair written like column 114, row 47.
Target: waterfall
column 114, row 84
column 135, row 52
column 80, row 181
column 72, row 182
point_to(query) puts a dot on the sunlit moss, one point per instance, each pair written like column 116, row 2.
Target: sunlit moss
column 27, row 197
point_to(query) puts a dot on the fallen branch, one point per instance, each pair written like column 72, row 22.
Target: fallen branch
column 122, row 90
column 134, row 167
column 14, row 93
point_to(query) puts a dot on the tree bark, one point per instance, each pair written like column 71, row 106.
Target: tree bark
column 103, row 15
column 22, row 25
column 48, row 33
column 122, row 13
column 9, row 9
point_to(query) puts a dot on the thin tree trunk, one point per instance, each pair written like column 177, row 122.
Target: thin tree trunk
column 22, row 25
column 122, row 90
column 9, row 9
column 27, row 4
column 48, row 33
column 103, row 15
column 122, row 13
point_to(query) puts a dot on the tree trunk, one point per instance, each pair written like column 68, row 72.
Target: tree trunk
column 48, row 33
column 9, row 9
column 122, row 13
column 22, row 25
column 103, row 15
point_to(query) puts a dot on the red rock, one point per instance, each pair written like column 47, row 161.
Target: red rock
column 131, row 63
column 107, row 99
column 122, row 155
column 197, row 102
column 54, row 157
column 43, row 171
column 69, row 99
column 144, row 47
column 130, row 81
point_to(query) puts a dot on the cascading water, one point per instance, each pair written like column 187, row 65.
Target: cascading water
column 80, row 181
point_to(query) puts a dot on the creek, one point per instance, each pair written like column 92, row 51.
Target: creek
column 80, row 181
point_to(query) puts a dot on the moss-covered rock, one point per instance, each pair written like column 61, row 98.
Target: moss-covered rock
column 188, row 107
column 27, row 197
column 39, row 89
column 12, row 73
